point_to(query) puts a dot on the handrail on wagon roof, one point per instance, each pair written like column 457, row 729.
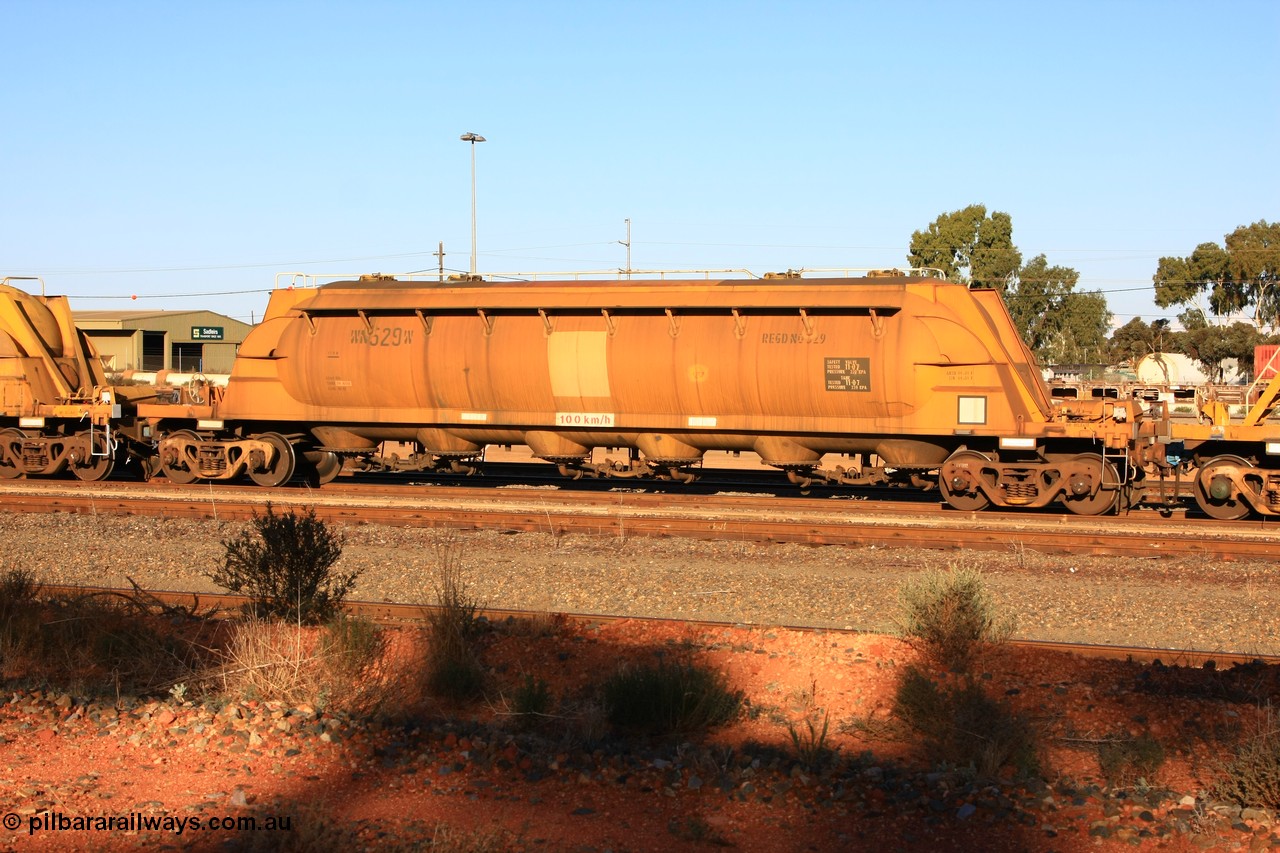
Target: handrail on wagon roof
column 301, row 279
column 10, row 278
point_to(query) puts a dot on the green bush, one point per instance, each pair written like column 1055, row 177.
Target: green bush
column 948, row 616
column 959, row 725
column 285, row 565
column 670, row 698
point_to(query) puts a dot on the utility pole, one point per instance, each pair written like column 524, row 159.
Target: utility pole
column 440, row 258
column 627, row 243
column 473, row 138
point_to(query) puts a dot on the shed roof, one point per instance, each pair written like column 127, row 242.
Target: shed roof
column 133, row 315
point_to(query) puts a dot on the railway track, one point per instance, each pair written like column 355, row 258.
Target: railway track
column 223, row 604
column 625, row 513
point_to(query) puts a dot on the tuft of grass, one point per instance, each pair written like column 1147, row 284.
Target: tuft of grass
column 285, row 564
column 531, row 699
column 340, row 666
column 1125, row 761
column 810, row 742
column 670, row 698
column 959, row 725
column 453, row 665
column 809, row 735
column 948, row 617
column 536, row 625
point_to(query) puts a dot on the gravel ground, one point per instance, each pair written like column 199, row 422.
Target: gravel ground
column 1172, row 603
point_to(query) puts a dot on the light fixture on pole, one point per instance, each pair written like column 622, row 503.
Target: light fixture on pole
column 473, row 138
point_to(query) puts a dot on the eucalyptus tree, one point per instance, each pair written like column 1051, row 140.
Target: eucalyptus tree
column 969, row 246
column 1056, row 321
column 1238, row 277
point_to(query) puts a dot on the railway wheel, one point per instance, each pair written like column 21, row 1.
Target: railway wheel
column 10, row 451
column 1100, row 501
column 325, row 463
column 100, row 462
column 278, row 472
column 1215, row 494
column 961, row 489
column 178, row 469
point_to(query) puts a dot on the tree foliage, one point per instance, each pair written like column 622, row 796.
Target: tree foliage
column 1214, row 346
column 1059, row 324
column 1136, row 338
column 970, row 246
column 1242, row 276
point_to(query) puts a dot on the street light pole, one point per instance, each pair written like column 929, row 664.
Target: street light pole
column 473, row 138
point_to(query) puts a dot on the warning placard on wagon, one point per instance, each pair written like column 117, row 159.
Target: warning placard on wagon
column 584, row 419
column 848, row 374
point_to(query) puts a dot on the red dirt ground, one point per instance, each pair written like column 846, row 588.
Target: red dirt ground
column 470, row 778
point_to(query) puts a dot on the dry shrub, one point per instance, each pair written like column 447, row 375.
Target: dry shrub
column 93, row 644
column 537, row 625
column 490, row 839
column 1251, row 776
column 582, row 722
column 948, row 617
column 341, row 665
column 1126, row 761
column 959, row 725
column 19, row 616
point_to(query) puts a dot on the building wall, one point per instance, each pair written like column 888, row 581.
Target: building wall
column 118, row 350
column 218, row 358
column 201, row 341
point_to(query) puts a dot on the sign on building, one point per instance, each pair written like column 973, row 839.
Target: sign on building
column 206, row 333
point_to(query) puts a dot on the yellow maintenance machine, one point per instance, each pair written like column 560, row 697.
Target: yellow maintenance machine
column 57, row 411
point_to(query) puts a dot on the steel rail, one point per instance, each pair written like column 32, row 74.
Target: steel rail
column 707, row 517
column 389, row 613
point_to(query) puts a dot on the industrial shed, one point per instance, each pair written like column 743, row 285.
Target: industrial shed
column 184, row 341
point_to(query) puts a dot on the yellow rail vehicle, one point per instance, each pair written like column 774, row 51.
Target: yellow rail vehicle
column 912, row 378
column 57, row 412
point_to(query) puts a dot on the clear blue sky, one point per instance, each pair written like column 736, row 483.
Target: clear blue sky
column 171, row 148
